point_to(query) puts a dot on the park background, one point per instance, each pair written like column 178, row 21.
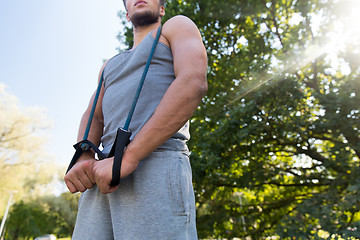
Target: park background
column 275, row 143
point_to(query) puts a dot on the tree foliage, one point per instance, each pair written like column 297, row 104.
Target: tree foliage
column 275, row 144
column 44, row 215
column 22, row 159
column 25, row 171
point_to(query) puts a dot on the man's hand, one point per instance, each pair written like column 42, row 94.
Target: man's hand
column 81, row 176
column 103, row 172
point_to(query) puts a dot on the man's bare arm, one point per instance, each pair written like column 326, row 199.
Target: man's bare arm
column 184, row 94
column 81, row 175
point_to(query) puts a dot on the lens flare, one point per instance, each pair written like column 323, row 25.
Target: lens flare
column 345, row 31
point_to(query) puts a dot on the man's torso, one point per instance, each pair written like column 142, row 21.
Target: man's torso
column 121, row 78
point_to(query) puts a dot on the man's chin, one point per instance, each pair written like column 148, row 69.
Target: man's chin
column 144, row 19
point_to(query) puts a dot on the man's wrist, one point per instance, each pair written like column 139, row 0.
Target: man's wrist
column 129, row 155
column 90, row 154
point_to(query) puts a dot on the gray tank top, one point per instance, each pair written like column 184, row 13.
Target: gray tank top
column 122, row 74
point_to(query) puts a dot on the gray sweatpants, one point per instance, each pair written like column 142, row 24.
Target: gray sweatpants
column 154, row 202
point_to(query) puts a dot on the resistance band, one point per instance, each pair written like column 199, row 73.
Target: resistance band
column 123, row 134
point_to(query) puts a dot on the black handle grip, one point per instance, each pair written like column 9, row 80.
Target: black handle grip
column 121, row 141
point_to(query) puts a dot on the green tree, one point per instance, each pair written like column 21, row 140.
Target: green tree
column 22, row 160
column 275, row 145
column 63, row 210
column 27, row 220
column 44, row 215
column 25, row 169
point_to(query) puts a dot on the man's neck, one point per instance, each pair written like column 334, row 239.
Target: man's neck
column 141, row 32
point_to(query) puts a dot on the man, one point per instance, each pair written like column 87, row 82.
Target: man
column 154, row 199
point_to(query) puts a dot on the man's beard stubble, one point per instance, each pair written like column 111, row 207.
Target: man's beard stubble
column 144, row 19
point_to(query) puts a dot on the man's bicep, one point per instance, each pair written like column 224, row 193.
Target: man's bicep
column 190, row 58
column 188, row 50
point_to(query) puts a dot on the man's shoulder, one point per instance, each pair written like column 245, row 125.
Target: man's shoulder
column 179, row 21
column 178, row 25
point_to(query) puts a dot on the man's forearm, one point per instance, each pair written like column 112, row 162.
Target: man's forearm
column 97, row 124
column 177, row 106
column 95, row 133
column 81, row 176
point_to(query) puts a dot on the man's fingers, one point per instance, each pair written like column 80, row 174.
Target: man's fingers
column 86, row 182
column 103, row 174
column 71, row 186
column 79, row 185
column 88, row 166
column 112, row 189
column 105, row 188
column 91, row 177
column 80, row 177
column 101, row 185
column 75, row 184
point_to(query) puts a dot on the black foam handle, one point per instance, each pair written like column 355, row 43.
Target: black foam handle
column 121, row 141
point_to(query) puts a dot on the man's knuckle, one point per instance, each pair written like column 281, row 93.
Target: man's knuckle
column 73, row 189
column 87, row 164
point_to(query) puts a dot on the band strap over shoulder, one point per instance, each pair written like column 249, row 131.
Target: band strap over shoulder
column 123, row 134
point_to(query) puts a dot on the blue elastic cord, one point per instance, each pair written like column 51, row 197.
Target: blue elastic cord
column 141, row 83
column 87, row 130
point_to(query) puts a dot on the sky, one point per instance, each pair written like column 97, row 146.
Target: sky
column 51, row 52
